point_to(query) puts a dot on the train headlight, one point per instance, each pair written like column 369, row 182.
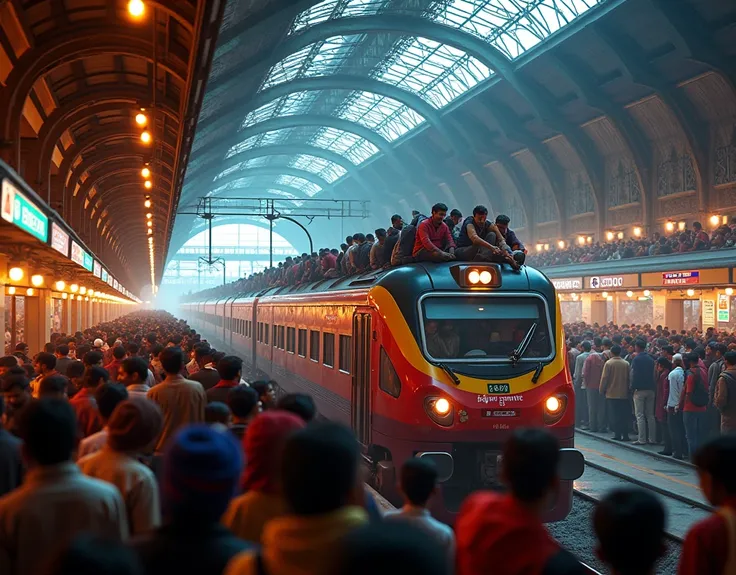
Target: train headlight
column 485, row 277
column 474, row 276
column 554, row 408
column 439, row 410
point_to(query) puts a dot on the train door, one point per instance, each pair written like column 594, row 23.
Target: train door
column 360, row 407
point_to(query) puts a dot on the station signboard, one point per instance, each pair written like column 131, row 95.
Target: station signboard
column 709, row 313
column 18, row 210
column 611, row 282
column 103, row 277
column 59, row 239
column 567, row 284
column 683, row 278
column 98, row 269
column 77, row 253
column 115, row 284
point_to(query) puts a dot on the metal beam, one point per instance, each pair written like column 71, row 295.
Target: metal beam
column 279, row 171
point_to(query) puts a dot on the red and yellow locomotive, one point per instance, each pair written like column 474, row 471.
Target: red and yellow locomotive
column 430, row 360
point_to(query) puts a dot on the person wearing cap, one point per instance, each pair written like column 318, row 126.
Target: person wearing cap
column 132, row 429
column 201, row 470
column 98, row 343
column 262, row 499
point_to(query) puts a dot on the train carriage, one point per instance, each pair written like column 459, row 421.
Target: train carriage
column 432, row 360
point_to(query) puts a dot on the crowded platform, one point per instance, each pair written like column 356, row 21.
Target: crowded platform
column 134, row 447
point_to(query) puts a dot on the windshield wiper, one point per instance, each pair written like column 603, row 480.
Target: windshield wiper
column 516, row 355
column 449, row 372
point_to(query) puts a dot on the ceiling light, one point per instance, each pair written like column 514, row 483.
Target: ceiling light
column 690, row 292
column 29, row 291
column 64, row 295
column 82, row 290
column 15, row 274
column 74, row 288
column 637, row 231
column 11, row 290
column 149, row 223
column 136, row 8
column 145, row 136
column 714, row 220
column 609, row 236
column 149, row 215
column 147, row 203
column 670, row 226
column 60, row 285
column 150, row 232
column 147, row 184
column 729, row 291
column 561, row 244
column 145, row 172
column 37, row 280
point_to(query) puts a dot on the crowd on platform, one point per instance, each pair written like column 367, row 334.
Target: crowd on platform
column 437, row 238
column 135, row 448
column 695, row 239
column 674, row 389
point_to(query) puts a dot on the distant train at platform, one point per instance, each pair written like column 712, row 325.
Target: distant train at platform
column 441, row 361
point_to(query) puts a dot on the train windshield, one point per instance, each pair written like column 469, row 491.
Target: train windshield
column 483, row 328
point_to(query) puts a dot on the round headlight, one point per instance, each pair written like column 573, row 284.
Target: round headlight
column 553, row 404
column 442, row 406
column 474, row 277
column 485, row 277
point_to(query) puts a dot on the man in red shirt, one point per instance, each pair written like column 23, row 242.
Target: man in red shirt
column 434, row 241
column 503, row 532
column 118, row 354
column 89, row 419
column 694, row 402
column 709, row 547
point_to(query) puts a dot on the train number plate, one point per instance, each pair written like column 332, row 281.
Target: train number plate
column 499, row 413
column 499, row 388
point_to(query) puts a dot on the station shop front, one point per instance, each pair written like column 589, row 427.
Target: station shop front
column 679, row 299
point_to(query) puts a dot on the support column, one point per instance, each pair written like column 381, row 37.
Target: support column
column 598, row 312
column 38, row 320
column 675, row 314
column 659, row 309
column 586, row 299
column 76, row 315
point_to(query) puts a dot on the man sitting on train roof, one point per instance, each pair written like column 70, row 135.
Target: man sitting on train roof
column 433, row 242
column 482, row 241
column 502, row 223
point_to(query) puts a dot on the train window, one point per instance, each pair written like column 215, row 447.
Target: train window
column 328, row 353
column 282, row 339
column 346, row 353
column 302, row 343
column 313, row 345
column 266, row 328
column 290, row 339
column 486, row 328
column 259, row 331
column 388, row 380
column 275, row 335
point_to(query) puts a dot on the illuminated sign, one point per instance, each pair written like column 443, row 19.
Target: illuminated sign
column 98, row 269
column 567, row 283
column 680, row 278
column 104, row 275
column 78, row 253
column 115, row 284
column 724, row 307
column 22, row 213
column 59, row 239
column 603, row 282
column 88, row 262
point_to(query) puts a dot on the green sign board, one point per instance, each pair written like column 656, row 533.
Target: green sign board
column 88, row 262
column 21, row 212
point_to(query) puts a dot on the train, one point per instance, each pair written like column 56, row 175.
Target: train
column 430, row 360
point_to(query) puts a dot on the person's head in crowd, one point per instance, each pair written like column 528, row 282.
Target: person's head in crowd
column 16, row 388
column 62, row 350
column 202, row 354
column 397, row 222
column 89, row 554
column 398, row 547
column 616, row 351
column 94, row 377
column 300, row 404
column 21, row 348
column 244, row 404
column 529, row 468
column 98, row 343
column 216, row 357
column 586, row 346
column 729, row 358
column 456, row 215
column 418, row 481
column 172, row 360
column 93, row 358
column 201, row 469
column 629, row 525
column 133, row 371
column 663, row 365
column 156, row 350
column 6, row 362
column 75, row 373
column 716, row 466
column 263, row 447
column 45, row 363
column 230, row 368
column 118, row 352
column 48, row 428
column 132, row 349
column 134, row 426
column 502, row 222
column 82, row 350
column 312, row 488
column 53, row 386
column 439, row 212
column 217, row 413
column 108, row 396
column 266, row 392
column 174, row 341
column 49, row 347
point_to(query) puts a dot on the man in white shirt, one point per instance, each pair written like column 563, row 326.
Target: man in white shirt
column 676, row 379
column 418, row 484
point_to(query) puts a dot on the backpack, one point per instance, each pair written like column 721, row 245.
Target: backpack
column 699, row 395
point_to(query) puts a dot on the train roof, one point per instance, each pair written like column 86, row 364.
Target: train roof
column 418, row 277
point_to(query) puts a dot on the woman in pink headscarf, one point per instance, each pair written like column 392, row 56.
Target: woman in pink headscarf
column 261, row 501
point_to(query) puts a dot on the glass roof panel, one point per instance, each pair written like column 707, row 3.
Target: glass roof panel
column 309, row 188
column 270, row 138
column 350, row 145
column 320, row 166
column 289, row 105
column 388, row 117
column 330, row 9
